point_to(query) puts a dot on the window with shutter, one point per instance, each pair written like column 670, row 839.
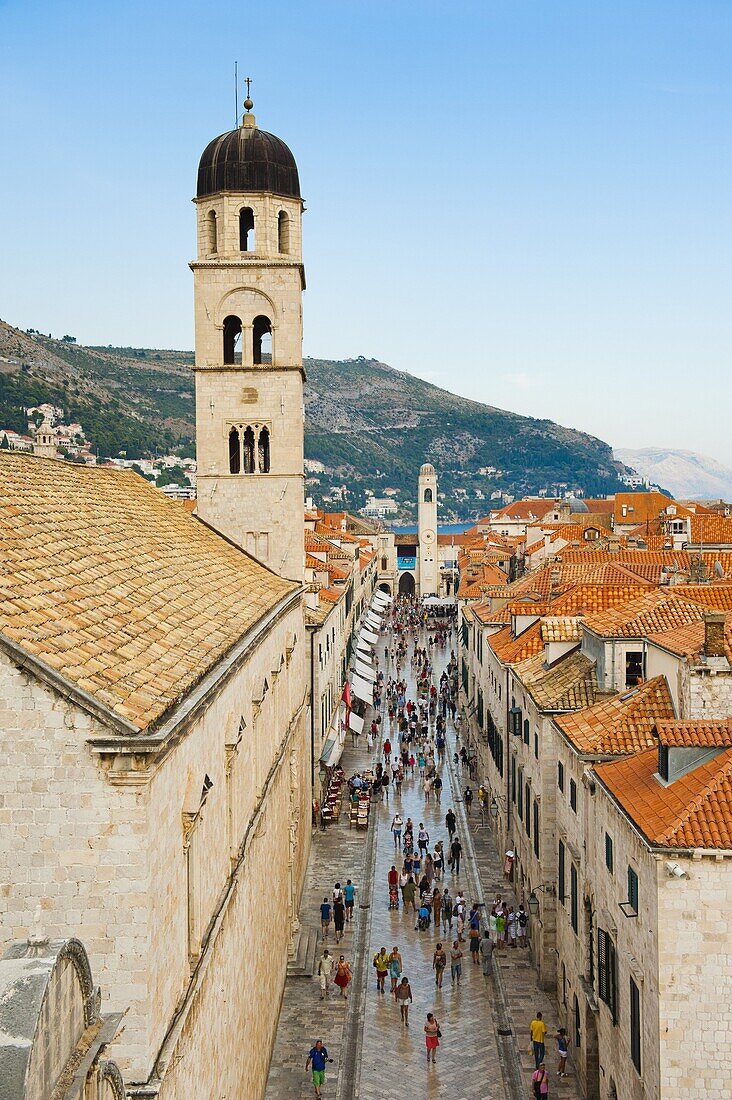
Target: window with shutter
column 573, row 898
column 609, row 859
column 562, row 858
column 633, row 889
column 536, row 828
column 527, row 819
column 607, row 972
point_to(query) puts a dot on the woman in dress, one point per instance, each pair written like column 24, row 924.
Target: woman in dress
column 395, row 968
column 339, row 914
column 436, row 906
column 439, row 962
column 343, row 976
column 432, row 1036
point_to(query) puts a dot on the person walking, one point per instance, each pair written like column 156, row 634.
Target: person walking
column 537, row 1030
column 432, row 1037
column 325, row 972
column 474, row 944
column 540, row 1082
column 436, row 907
column 468, row 800
column 403, row 997
column 343, row 976
column 349, row 896
column 395, row 968
column 408, row 893
column 437, row 788
column 486, row 954
column 381, row 965
column 447, row 904
column 562, row 1051
column 396, row 829
column 392, row 880
column 456, row 850
column 317, row 1058
column 456, row 962
column 439, row 962
column 339, row 916
column 522, row 919
column 325, row 918
column 423, row 839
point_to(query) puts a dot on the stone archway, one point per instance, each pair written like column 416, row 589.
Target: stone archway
column 384, row 587
column 406, row 584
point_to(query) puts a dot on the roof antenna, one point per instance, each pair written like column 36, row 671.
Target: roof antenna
column 236, row 94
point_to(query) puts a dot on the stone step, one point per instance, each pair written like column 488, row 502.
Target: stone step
column 305, row 959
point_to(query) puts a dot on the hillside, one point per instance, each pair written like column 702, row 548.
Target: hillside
column 684, row 473
column 370, row 425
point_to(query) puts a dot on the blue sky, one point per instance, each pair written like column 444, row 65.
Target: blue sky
column 528, row 203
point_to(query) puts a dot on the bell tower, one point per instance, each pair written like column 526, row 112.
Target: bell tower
column 429, row 566
column 248, row 283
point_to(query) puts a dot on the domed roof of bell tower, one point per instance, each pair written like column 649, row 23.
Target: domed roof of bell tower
column 427, row 470
column 248, row 159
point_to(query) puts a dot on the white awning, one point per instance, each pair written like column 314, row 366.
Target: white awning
column 439, row 601
column 332, row 752
column 381, row 598
column 369, row 636
column 364, row 671
column 372, row 623
column 362, row 689
column 373, row 613
column 364, row 659
column 354, row 722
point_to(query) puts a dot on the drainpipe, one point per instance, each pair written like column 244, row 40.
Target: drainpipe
column 312, row 713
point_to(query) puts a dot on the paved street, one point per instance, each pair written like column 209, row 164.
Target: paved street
column 484, row 1049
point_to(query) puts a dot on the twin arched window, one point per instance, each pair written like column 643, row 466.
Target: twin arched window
column 249, row 449
column 261, row 340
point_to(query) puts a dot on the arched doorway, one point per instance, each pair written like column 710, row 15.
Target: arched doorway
column 385, row 588
column 406, row 584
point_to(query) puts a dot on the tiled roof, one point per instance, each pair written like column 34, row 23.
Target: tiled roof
column 621, row 724
column 644, row 506
column 569, row 684
column 681, row 733
column 510, row 650
column 688, row 641
column 695, row 811
column 118, row 589
column 716, row 596
column 561, row 628
column 653, row 612
column 711, row 528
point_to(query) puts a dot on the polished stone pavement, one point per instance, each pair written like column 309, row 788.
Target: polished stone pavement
column 484, row 1049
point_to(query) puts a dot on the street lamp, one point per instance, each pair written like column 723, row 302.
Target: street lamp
column 533, row 900
column 494, row 807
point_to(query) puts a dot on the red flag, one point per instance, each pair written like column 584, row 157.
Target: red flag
column 347, row 700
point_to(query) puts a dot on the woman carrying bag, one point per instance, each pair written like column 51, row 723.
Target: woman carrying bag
column 432, row 1035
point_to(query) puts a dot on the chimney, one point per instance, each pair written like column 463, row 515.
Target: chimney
column 714, row 633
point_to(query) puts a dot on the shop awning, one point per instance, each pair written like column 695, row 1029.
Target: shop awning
column 332, row 752
column 439, row 601
column 369, row 636
column 364, row 657
column 364, row 671
column 372, row 620
column 355, row 723
column 362, row 689
column 380, row 599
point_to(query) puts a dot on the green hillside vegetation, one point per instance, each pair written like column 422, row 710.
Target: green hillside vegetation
column 371, row 426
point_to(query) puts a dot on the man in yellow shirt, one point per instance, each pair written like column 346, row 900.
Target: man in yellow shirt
column 537, row 1029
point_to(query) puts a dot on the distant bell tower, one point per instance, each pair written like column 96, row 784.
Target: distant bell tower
column 429, row 566
column 248, row 283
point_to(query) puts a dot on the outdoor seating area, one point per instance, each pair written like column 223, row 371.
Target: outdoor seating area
column 331, row 808
column 360, row 787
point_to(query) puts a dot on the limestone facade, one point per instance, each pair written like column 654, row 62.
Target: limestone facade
column 158, row 858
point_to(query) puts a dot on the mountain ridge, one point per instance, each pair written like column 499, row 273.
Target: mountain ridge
column 686, row 474
column 370, row 425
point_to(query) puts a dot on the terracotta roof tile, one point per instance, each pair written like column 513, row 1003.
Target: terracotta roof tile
column 682, row 733
column 561, row 628
column 621, row 724
column 119, row 589
column 688, row 641
column 510, row 650
column 695, row 811
column 569, row 684
column 653, row 612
